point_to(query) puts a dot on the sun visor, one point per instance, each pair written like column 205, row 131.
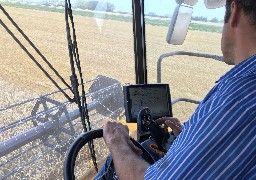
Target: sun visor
column 213, row 4
column 188, row 2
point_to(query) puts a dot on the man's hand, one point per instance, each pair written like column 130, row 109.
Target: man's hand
column 171, row 122
column 128, row 164
column 116, row 136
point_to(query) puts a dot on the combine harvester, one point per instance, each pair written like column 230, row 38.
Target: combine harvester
column 37, row 133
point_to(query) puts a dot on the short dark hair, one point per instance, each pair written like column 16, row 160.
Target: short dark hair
column 248, row 6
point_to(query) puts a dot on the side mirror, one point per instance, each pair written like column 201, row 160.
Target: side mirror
column 213, row 4
column 179, row 25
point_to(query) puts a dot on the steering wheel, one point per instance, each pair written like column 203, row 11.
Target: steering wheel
column 69, row 163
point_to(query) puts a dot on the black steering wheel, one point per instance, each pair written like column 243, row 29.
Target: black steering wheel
column 69, row 163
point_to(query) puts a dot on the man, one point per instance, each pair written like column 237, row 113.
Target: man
column 219, row 140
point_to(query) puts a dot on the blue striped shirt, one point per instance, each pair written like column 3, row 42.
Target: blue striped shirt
column 219, row 140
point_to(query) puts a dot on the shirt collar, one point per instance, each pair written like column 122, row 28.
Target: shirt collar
column 245, row 67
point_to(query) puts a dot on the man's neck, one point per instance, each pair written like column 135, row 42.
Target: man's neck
column 245, row 54
column 245, row 45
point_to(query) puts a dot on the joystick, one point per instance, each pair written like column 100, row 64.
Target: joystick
column 146, row 123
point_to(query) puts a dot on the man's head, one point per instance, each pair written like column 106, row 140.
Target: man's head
column 248, row 6
column 240, row 23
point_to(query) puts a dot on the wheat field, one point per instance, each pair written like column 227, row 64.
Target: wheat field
column 107, row 52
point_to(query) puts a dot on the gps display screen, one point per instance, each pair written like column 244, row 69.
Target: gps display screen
column 154, row 96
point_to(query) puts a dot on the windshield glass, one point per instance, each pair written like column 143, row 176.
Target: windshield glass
column 189, row 76
column 38, row 123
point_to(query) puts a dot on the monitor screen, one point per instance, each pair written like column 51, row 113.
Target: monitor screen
column 154, row 96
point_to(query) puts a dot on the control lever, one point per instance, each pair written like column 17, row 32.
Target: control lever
column 147, row 124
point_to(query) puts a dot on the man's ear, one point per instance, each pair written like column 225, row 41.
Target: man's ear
column 235, row 14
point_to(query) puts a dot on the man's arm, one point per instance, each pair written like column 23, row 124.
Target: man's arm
column 128, row 165
column 127, row 161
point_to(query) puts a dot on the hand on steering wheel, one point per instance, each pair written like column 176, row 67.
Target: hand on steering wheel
column 116, row 136
column 84, row 139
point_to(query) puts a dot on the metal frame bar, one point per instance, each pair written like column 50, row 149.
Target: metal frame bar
column 139, row 41
column 160, row 59
column 159, row 65
column 22, row 139
column 185, row 100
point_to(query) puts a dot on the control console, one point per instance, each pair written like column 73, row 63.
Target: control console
column 160, row 139
column 144, row 103
column 155, row 97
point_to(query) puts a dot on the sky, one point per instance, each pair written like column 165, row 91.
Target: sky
column 165, row 7
column 162, row 7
